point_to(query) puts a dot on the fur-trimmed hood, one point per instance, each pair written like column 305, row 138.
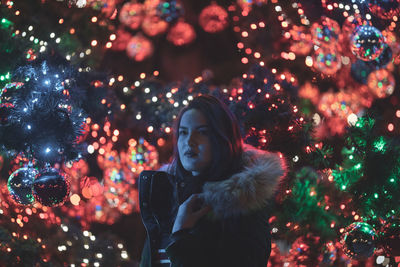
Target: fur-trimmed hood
column 249, row 189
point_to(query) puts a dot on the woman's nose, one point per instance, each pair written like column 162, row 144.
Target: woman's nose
column 191, row 140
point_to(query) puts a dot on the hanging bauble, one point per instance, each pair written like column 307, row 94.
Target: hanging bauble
column 213, row 18
column 169, row 10
column 385, row 9
column 139, row 48
column 367, row 43
column 381, row 83
column 325, row 32
column 390, row 237
column 153, row 25
column 181, row 33
column 359, row 240
column 20, row 185
column 132, row 15
column 327, row 60
column 51, row 187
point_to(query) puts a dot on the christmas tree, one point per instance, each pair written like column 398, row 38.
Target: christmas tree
column 89, row 90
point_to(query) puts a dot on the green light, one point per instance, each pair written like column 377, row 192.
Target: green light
column 343, row 187
column 351, row 157
column 36, row 41
column 376, row 195
column 358, row 166
column 380, row 144
column 391, row 180
column 1, row 78
column 3, row 20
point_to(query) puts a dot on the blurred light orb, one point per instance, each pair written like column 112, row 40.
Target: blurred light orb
column 181, row 33
column 381, row 83
column 132, row 15
column 367, row 43
column 213, row 18
column 154, row 25
column 139, row 48
column 327, row 60
column 325, row 32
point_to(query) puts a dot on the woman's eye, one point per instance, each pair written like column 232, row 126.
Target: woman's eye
column 182, row 132
column 203, row 132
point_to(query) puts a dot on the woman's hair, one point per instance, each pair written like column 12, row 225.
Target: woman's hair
column 224, row 133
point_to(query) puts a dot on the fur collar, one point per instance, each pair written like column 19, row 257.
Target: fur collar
column 248, row 190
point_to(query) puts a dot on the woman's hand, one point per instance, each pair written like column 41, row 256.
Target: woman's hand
column 190, row 212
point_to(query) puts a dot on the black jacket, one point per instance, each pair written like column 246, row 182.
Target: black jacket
column 236, row 231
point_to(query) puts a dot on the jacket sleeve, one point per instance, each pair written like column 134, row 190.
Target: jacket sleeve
column 246, row 243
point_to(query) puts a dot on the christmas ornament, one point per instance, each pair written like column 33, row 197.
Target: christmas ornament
column 51, row 187
column 132, row 15
column 385, row 9
column 213, row 18
column 367, row 43
column 325, row 32
column 20, row 185
column 181, row 33
column 169, row 10
column 153, row 25
column 390, row 237
column 381, row 83
column 359, row 240
column 327, row 60
column 139, row 48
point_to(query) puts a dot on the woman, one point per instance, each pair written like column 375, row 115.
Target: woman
column 220, row 190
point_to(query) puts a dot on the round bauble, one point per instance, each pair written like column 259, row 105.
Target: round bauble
column 359, row 240
column 51, row 187
column 20, row 185
column 367, row 43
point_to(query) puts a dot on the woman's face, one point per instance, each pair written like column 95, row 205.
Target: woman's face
column 194, row 145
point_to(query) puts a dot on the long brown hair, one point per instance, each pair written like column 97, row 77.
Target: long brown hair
column 226, row 142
